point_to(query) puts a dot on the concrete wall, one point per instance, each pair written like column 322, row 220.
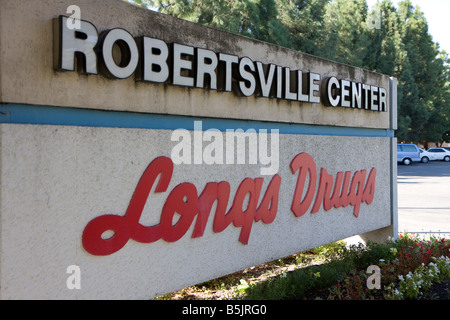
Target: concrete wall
column 57, row 179
column 67, row 159
column 27, row 60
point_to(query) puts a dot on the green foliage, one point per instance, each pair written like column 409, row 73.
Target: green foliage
column 362, row 255
column 347, row 33
column 401, row 46
column 252, row 18
column 303, row 22
column 409, row 266
column 331, row 250
column 296, row 284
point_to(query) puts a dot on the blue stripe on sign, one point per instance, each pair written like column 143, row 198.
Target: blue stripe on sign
column 48, row 115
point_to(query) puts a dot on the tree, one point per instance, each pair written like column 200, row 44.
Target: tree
column 410, row 111
column 252, row 18
column 386, row 49
column 422, row 76
column 437, row 129
column 303, row 20
column 346, row 32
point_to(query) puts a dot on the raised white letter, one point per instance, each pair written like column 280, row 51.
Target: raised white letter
column 129, row 53
column 206, row 68
column 73, row 41
column 248, row 85
column 180, row 64
column 156, row 53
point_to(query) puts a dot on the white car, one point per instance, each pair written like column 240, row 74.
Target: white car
column 439, row 154
column 425, row 156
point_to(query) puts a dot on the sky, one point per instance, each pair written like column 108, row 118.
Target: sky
column 437, row 14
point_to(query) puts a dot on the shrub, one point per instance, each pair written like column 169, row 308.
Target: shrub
column 296, row 284
column 409, row 266
column 416, row 283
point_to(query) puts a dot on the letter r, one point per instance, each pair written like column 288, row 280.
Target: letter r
column 72, row 42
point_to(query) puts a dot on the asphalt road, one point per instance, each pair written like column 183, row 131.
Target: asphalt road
column 424, row 198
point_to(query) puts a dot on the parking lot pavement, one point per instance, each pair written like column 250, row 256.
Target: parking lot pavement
column 424, row 198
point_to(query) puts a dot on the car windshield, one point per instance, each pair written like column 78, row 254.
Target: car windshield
column 409, row 148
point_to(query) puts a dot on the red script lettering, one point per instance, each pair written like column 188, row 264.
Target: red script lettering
column 185, row 201
column 344, row 193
